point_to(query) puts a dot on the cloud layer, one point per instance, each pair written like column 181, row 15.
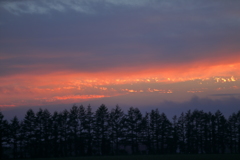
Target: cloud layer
column 135, row 34
column 180, row 34
column 48, row 44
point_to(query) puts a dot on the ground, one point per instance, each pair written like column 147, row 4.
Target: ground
column 157, row 157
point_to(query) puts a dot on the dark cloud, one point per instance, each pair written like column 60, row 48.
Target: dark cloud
column 231, row 95
column 227, row 106
column 95, row 34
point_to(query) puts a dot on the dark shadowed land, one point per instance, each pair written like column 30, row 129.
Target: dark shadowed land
column 157, row 157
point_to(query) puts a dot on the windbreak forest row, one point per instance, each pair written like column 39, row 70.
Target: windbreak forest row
column 82, row 132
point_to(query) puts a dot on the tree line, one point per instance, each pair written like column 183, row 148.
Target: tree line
column 82, row 132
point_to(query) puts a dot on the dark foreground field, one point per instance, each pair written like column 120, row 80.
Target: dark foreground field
column 156, row 157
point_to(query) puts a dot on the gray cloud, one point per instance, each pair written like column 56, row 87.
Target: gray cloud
column 19, row 7
column 225, row 94
column 227, row 106
column 132, row 33
column 46, row 6
column 91, row 6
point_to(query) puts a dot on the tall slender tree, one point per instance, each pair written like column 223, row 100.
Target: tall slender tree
column 4, row 130
column 14, row 136
column 181, row 125
column 165, row 132
column 146, row 133
column 221, row 132
column 173, row 143
column 39, row 131
column 74, row 125
column 238, row 131
column 116, row 124
column 88, row 125
column 55, row 134
column 47, row 133
column 29, row 128
column 101, row 130
column 134, row 128
column 155, row 131
column 207, row 132
column 64, row 134
column 232, row 132
column 190, row 137
column 82, row 138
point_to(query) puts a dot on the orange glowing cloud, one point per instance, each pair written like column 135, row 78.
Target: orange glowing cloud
column 69, row 98
column 79, row 97
column 69, row 86
column 6, row 105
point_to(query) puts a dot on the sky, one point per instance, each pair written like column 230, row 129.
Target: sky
column 172, row 55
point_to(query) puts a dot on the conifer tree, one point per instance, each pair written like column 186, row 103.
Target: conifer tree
column 221, row 132
column 134, row 128
column 101, row 130
column 64, row 134
column 14, row 128
column 56, row 134
column 74, row 125
column 4, row 132
column 29, row 128
column 88, row 125
column 181, row 125
column 47, row 133
column 82, row 138
column 116, row 124
column 165, row 132
column 232, row 131
column 146, row 133
column 175, row 137
column 155, row 131
column 238, row 131
column 39, row 131
column 207, row 132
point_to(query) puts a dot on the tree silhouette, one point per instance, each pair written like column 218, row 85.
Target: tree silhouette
column 155, row 131
column 14, row 135
column 175, row 137
column 116, row 124
column 43, row 130
column 206, row 126
column 165, row 131
column 238, row 131
column 4, row 130
column 134, row 128
column 82, row 138
column 29, row 124
column 47, row 133
column 64, row 133
column 101, row 130
column 232, row 132
column 181, row 131
column 146, row 133
column 74, row 128
column 80, row 132
column 220, row 132
column 55, row 134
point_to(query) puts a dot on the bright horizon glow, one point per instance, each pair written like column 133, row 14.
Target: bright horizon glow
column 36, row 90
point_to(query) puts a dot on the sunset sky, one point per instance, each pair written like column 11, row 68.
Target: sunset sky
column 174, row 55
